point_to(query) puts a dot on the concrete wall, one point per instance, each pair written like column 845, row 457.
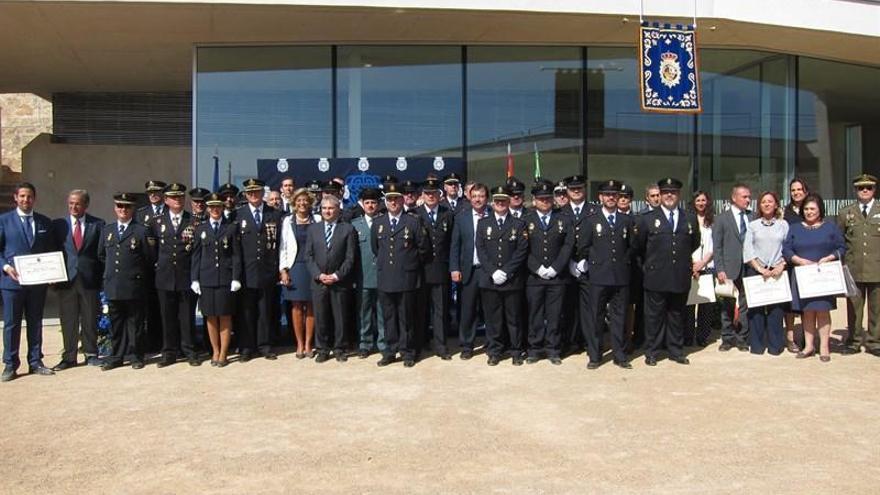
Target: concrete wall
column 23, row 116
column 55, row 169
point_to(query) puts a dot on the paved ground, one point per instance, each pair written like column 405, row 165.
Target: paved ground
column 729, row 423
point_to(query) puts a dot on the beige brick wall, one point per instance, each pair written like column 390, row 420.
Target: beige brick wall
column 23, row 117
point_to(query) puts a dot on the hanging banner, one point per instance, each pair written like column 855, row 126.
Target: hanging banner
column 669, row 75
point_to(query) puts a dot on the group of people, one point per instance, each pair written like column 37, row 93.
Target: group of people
column 395, row 272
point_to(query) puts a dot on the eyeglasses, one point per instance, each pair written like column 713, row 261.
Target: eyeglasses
column 124, row 206
column 865, row 188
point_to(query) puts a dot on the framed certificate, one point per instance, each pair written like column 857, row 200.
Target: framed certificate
column 702, row 290
column 820, row 280
column 43, row 268
column 764, row 292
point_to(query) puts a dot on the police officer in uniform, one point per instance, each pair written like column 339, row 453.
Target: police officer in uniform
column 258, row 232
column 229, row 193
column 127, row 251
column 197, row 198
column 502, row 246
column 605, row 242
column 517, row 197
column 145, row 215
column 577, row 209
column 860, row 223
column 452, row 197
column 174, row 233
column 666, row 236
column 156, row 206
column 400, row 244
column 551, row 243
column 433, row 307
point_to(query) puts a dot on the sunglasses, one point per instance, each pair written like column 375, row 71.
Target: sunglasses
column 865, row 188
column 124, row 207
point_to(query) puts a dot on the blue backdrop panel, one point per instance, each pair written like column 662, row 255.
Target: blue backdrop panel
column 669, row 75
column 358, row 172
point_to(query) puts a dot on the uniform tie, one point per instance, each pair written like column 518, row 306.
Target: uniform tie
column 215, row 226
column 431, row 216
column 742, row 223
column 258, row 218
column 577, row 211
column 864, row 211
column 393, row 223
column 672, row 220
column 544, row 222
column 121, row 229
column 500, row 222
column 28, row 230
column 77, row 234
column 611, row 220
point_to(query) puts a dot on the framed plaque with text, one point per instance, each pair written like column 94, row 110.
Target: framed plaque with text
column 43, row 268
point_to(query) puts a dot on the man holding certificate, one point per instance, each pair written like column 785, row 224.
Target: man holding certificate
column 23, row 232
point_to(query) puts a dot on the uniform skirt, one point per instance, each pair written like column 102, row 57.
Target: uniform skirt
column 217, row 301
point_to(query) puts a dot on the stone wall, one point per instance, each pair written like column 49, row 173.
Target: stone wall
column 23, row 116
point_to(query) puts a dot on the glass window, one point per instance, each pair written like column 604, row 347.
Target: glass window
column 261, row 102
column 838, row 124
column 529, row 98
column 623, row 142
column 399, row 101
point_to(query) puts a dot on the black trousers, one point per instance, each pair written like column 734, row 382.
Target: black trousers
column 664, row 322
column 470, row 297
column 398, row 309
column 572, row 334
column 257, row 309
column 433, row 311
column 502, row 312
column 585, row 313
column 545, row 319
column 607, row 303
column 78, row 308
column 178, row 323
column 332, row 317
column 153, row 334
column 127, row 332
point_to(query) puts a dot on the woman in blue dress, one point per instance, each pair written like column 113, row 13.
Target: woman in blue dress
column 295, row 279
column 813, row 241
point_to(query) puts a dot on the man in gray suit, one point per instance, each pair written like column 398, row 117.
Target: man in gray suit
column 330, row 252
column 728, row 233
column 368, row 305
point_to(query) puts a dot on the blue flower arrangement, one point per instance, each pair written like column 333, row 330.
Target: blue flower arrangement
column 104, row 345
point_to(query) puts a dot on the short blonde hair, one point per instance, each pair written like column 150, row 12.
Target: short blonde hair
column 302, row 191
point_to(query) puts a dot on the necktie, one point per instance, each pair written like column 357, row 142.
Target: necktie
column 215, row 226
column 544, row 222
column 611, row 221
column 515, row 213
column 77, row 234
column 431, row 216
column 121, row 229
column 577, row 211
column 393, row 223
column 157, row 210
column 452, row 203
column 672, row 220
column 864, row 211
column 258, row 218
column 500, row 222
column 28, row 231
column 175, row 221
column 742, row 223
column 328, row 234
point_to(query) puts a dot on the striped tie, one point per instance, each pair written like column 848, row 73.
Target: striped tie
column 328, row 234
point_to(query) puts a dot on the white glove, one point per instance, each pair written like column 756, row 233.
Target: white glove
column 196, row 287
column 541, row 271
column 582, row 266
column 573, row 269
column 235, row 286
column 550, row 272
column 499, row 277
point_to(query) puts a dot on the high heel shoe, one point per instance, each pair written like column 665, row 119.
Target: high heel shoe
column 804, row 355
column 300, row 355
column 825, row 359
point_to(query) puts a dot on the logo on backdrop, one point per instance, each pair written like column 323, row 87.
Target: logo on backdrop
column 669, row 76
column 401, row 163
column 323, row 164
column 363, row 164
column 282, row 165
column 438, row 163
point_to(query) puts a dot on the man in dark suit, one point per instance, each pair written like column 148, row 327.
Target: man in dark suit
column 502, row 246
column 127, row 250
column 400, row 244
column 174, row 233
column 605, row 243
column 551, row 242
column 144, row 215
column 728, row 234
column 22, row 232
column 433, row 307
column 576, row 295
column 79, row 235
column 452, row 197
column 666, row 237
column 330, row 257
column 258, row 231
column 463, row 266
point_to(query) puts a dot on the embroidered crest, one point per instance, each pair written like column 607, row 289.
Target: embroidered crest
column 670, row 70
column 282, row 165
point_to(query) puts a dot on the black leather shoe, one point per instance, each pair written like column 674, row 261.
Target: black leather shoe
column 493, row 361
column 592, row 365
column 163, row 363
column 385, row 361
column 850, row 350
column 271, row 356
column 874, row 352
column 742, row 347
column 555, row 360
column 445, row 356
column 94, row 361
column 363, row 354
column 650, row 360
column 680, row 359
column 409, row 363
column 137, row 365
column 322, row 357
column 725, row 346
column 40, row 370
column 341, row 357
column 517, row 360
column 466, row 354
column 8, row 375
column 222, row 363
column 109, row 366
column 63, row 365
column 193, row 361
column 532, row 360
column 623, row 364
column 245, row 357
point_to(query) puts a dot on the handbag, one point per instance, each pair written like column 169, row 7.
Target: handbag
column 852, row 290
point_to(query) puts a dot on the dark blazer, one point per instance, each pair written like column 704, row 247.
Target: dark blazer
column 83, row 264
column 399, row 252
column 128, row 260
column 608, row 251
column 216, row 261
column 13, row 242
column 339, row 259
column 461, row 246
column 577, row 221
column 462, row 204
column 502, row 248
column 174, row 251
column 666, row 254
column 551, row 248
column 258, row 248
column 436, row 268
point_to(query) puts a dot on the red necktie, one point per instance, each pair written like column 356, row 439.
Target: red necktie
column 77, row 235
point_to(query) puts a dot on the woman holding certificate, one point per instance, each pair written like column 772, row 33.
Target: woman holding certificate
column 813, row 241
column 762, row 254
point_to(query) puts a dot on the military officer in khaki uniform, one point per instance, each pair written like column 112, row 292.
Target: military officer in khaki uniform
column 860, row 223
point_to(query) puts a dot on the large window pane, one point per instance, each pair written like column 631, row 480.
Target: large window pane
column 399, row 101
column 527, row 97
column 622, row 141
column 261, row 102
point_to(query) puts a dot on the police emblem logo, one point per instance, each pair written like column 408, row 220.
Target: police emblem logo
column 323, row 164
column 381, row 228
column 282, row 165
column 204, row 235
column 598, row 228
column 244, row 224
column 401, row 163
column 670, row 70
column 363, row 164
column 110, row 236
column 163, row 228
column 531, row 226
column 146, row 218
column 656, row 223
column 690, row 229
column 439, row 164
column 488, row 231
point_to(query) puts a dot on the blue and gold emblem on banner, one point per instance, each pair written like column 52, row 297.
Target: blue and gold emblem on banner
column 669, row 75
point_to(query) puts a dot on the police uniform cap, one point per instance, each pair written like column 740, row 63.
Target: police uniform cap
column 331, row 187
column 452, row 178
column 392, row 189
column 864, row 180
column 370, row 193
column 431, row 185
column 175, row 189
column 228, row 189
column 408, row 187
column 543, row 189
column 314, row 185
column 669, row 184
column 389, row 179
column 500, row 192
column 574, row 181
column 124, row 198
column 214, row 199
column 560, row 188
column 516, row 186
column 626, row 190
column 154, row 186
column 253, row 184
column 199, row 193
column 610, row 187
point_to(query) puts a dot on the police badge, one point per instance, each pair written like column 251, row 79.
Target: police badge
column 243, row 224
column 438, row 163
column 381, row 228
column 656, row 223
column 531, row 226
column 401, row 163
column 204, row 235
column 162, row 229
column 323, row 164
column 488, row 231
column 598, row 228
